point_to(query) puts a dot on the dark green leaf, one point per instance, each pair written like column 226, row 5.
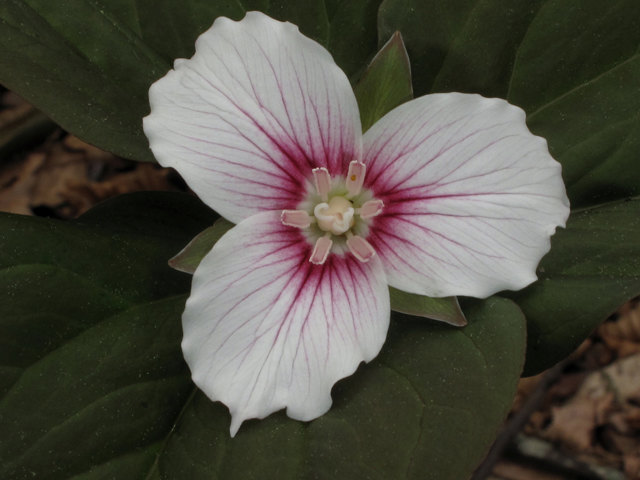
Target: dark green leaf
column 190, row 257
column 576, row 74
column 93, row 384
column 83, row 67
column 461, row 45
column 573, row 67
column 386, row 84
column 480, row 59
column 91, row 372
column 445, row 309
column 593, row 267
column 433, row 393
column 88, row 64
column 111, row 391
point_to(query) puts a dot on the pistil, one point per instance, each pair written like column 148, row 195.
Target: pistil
column 336, row 215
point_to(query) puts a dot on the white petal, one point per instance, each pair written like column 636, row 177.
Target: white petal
column 471, row 196
column 266, row 329
column 251, row 114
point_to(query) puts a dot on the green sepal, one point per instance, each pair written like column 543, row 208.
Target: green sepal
column 446, row 309
column 385, row 84
column 190, row 257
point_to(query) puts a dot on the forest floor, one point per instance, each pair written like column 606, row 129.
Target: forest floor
column 577, row 421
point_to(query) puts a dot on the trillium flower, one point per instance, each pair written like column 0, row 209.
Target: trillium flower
column 448, row 194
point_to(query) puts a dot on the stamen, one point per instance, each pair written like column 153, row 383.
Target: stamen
column 323, row 182
column 296, row 218
column 370, row 208
column 321, row 249
column 355, row 178
column 360, row 248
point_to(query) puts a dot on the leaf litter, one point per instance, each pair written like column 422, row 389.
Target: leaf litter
column 590, row 414
column 60, row 176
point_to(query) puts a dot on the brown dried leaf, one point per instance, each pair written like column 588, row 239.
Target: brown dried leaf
column 70, row 176
column 623, row 377
column 623, row 334
column 627, row 421
column 92, row 153
column 538, row 421
column 598, row 356
column 624, row 444
column 566, row 386
column 11, row 99
column 632, row 466
column 526, row 386
column 60, row 168
column 82, row 195
column 574, row 423
column 17, row 182
column 16, row 109
column 513, row 471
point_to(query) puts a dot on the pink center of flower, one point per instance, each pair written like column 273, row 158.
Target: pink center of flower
column 340, row 209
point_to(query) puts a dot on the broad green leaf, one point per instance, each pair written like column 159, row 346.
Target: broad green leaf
column 573, row 67
column 433, row 393
column 111, row 244
column 91, row 372
column 593, row 268
column 190, row 257
column 88, row 64
column 83, row 67
column 93, row 384
column 386, row 83
column 576, row 74
column 481, row 57
column 110, row 391
column 445, row 309
column 460, row 45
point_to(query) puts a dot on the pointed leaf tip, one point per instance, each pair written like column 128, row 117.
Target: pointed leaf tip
column 190, row 256
column 386, row 83
column 446, row 309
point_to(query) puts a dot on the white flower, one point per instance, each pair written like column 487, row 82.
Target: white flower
column 448, row 194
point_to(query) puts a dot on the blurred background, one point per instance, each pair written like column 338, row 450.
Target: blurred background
column 578, row 421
